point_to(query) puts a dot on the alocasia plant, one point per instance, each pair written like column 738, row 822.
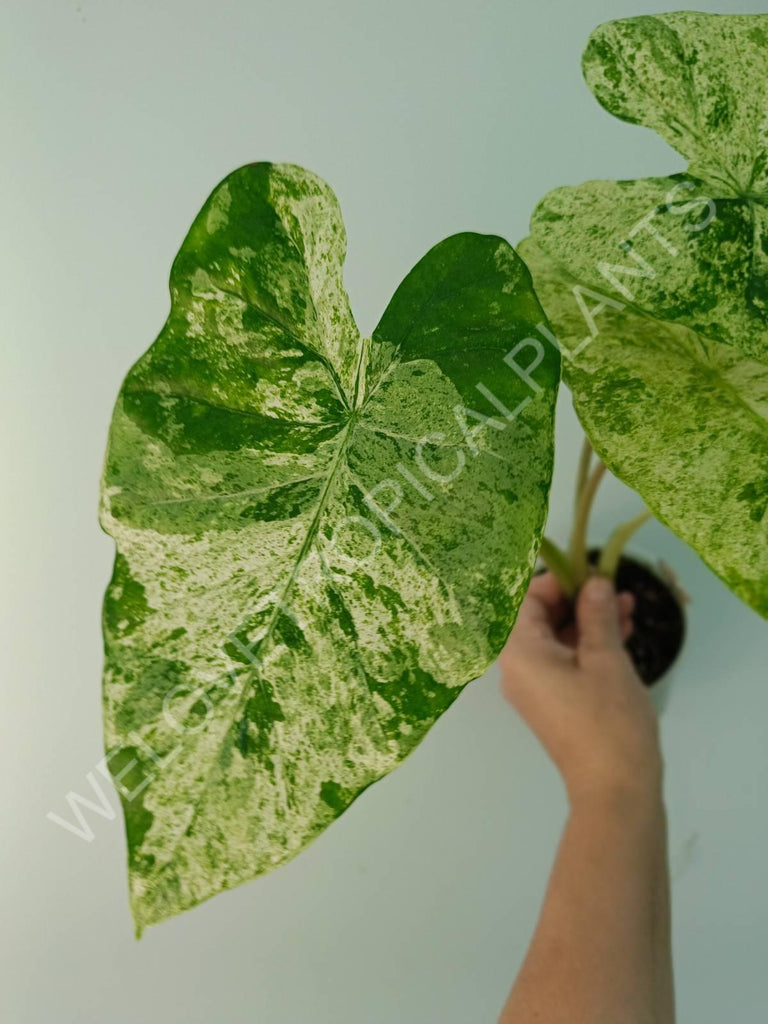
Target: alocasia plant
column 320, row 537
column 657, row 288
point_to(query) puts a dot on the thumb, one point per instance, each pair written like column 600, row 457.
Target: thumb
column 597, row 616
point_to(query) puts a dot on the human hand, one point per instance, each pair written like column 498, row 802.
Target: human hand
column 577, row 689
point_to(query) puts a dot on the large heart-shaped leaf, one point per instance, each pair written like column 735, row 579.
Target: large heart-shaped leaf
column 657, row 288
column 320, row 537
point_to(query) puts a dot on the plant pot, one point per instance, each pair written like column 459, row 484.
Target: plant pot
column 659, row 619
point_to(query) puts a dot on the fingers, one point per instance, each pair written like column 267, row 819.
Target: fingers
column 569, row 633
column 542, row 633
column 544, row 607
column 533, row 645
column 598, row 618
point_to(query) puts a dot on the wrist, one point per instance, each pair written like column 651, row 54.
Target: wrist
column 618, row 798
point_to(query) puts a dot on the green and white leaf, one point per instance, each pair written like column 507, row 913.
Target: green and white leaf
column 320, row 537
column 657, row 288
column 679, row 418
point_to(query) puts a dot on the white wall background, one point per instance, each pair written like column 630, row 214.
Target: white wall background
column 427, row 118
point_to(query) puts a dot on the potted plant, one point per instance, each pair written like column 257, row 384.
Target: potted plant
column 322, row 537
column 658, row 618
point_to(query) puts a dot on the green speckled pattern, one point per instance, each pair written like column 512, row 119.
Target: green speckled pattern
column 658, row 287
column 302, row 583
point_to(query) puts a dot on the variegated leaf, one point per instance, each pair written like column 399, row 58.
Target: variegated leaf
column 320, row 537
column 657, row 288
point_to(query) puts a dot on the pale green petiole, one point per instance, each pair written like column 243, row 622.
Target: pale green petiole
column 611, row 553
column 559, row 565
column 572, row 569
column 582, row 473
column 578, row 549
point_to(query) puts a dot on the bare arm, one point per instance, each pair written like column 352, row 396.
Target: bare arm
column 601, row 951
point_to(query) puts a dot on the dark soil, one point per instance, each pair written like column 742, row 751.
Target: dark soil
column 658, row 617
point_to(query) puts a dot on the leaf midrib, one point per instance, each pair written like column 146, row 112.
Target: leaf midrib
column 346, row 435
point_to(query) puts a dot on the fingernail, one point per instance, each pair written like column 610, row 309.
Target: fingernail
column 599, row 590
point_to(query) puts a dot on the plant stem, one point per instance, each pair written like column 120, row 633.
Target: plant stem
column 582, row 474
column 581, row 522
column 611, row 553
column 559, row 565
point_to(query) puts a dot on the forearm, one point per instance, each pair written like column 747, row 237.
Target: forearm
column 600, row 953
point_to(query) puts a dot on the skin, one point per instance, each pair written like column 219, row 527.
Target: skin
column 601, row 952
